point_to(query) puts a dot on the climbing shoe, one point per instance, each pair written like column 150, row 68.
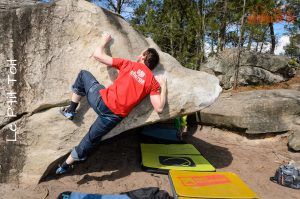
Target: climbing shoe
column 69, row 115
column 62, row 170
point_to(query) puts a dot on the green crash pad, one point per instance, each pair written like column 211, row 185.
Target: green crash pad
column 162, row 134
column 160, row 158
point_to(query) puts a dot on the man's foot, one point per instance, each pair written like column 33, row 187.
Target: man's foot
column 62, row 170
column 69, row 115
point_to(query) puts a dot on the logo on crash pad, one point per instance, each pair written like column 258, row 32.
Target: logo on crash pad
column 176, row 161
column 200, row 181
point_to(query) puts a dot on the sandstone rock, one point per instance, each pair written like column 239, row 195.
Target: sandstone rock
column 52, row 43
column 294, row 139
column 295, row 86
column 256, row 112
column 254, row 68
column 298, row 71
column 9, row 4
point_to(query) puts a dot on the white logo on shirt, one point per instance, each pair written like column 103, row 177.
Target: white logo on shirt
column 138, row 75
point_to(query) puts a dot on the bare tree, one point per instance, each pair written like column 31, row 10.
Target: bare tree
column 223, row 26
column 273, row 41
column 236, row 75
column 117, row 6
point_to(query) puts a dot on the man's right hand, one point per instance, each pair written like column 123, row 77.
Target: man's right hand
column 105, row 39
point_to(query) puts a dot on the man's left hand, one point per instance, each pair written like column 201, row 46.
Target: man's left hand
column 105, row 39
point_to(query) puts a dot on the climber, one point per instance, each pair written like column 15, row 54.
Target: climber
column 134, row 82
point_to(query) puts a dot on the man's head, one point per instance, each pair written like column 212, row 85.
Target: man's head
column 149, row 57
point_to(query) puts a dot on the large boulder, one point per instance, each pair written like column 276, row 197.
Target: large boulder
column 51, row 43
column 255, row 68
column 294, row 139
column 257, row 112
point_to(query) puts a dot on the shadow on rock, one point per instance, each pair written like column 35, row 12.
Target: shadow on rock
column 218, row 156
column 81, row 111
column 120, row 156
column 116, row 158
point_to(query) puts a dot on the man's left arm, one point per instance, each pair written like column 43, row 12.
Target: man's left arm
column 100, row 53
column 158, row 101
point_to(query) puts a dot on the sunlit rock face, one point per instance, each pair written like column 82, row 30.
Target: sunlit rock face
column 258, row 112
column 51, row 43
column 255, row 68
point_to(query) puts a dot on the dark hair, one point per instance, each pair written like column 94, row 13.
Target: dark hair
column 151, row 58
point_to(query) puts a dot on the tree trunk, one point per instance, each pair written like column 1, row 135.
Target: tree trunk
column 203, row 31
column 237, row 66
column 261, row 47
column 212, row 42
column 119, row 6
column 116, row 8
column 219, row 43
column 200, row 34
column 223, row 26
column 250, row 40
column 273, row 42
column 171, row 27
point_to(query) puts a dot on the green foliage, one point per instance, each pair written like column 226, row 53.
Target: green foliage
column 293, row 62
column 175, row 25
column 293, row 49
column 181, row 28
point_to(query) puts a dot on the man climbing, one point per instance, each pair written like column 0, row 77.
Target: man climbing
column 134, row 82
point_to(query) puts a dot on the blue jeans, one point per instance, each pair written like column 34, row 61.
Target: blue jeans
column 87, row 85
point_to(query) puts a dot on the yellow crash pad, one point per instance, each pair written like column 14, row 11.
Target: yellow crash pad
column 163, row 157
column 187, row 185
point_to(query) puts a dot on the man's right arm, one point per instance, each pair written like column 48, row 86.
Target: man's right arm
column 100, row 53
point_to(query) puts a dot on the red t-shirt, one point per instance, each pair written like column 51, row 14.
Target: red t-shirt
column 134, row 82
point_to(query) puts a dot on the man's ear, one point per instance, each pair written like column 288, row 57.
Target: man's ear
column 143, row 57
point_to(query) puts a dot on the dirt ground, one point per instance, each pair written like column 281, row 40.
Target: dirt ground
column 115, row 166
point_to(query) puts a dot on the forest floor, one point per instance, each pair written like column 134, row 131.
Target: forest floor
column 115, row 167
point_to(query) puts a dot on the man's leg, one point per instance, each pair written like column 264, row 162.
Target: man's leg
column 81, row 87
column 70, row 110
column 75, row 98
column 99, row 128
column 102, row 125
column 84, row 81
column 105, row 121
